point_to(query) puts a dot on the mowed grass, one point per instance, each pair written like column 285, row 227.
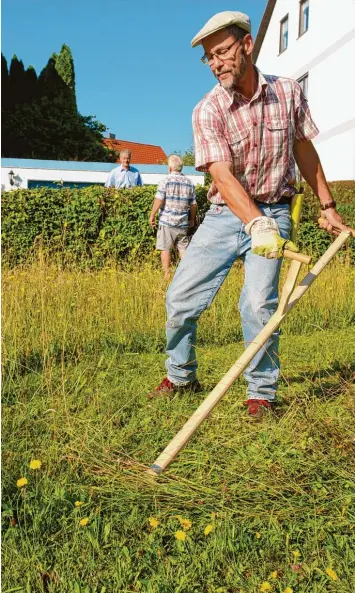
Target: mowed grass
column 80, row 352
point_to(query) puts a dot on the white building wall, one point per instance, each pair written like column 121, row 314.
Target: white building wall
column 338, row 156
column 23, row 174
column 327, row 52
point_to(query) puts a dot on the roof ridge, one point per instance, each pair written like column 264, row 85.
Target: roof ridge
column 132, row 142
column 266, row 18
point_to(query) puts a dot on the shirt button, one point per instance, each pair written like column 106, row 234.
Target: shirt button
column 255, row 123
column 252, row 184
column 255, row 145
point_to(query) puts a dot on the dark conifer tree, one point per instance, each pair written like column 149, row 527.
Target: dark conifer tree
column 30, row 89
column 4, row 83
column 16, row 81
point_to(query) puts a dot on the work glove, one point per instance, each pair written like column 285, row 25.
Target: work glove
column 266, row 239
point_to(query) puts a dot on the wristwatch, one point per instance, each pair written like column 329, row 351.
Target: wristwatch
column 331, row 204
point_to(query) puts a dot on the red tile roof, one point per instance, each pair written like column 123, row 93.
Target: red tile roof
column 142, row 154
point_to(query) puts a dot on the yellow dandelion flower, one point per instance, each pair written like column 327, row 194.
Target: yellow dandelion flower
column 153, row 522
column 35, row 464
column 265, row 586
column 21, row 482
column 78, row 503
column 258, row 535
column 180, row 535
column 84, row 521
column 185, row 523
column 208, row 529
column 274, row 574
column 296, row 554
column 288, row 590
column 331, row 573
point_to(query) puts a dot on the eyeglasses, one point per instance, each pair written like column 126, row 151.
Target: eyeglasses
column 221, row 55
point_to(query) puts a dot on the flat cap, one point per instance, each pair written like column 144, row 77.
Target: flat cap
column 220, row 21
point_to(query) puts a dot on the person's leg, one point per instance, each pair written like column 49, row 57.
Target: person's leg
column 164, row 244
column 165, row 258
column 258, row 302
column 198, row 278
column 182, row 242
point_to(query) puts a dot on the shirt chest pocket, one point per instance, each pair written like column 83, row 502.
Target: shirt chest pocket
column 276, row 135
column 239, row 142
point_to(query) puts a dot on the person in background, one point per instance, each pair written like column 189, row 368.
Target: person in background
column 176, row 201
column 124, row 176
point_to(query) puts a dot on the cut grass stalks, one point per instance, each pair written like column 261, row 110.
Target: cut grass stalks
column 277, row 496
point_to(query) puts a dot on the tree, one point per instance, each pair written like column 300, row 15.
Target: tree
column 44, row 121
column 188, row 157
column 50, row 84
column 65, row 67
column 4, row 83
column 16, row 81
column 30, row 85
column 48, row 129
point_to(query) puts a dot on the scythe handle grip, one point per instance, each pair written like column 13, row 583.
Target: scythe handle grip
column 301, row 257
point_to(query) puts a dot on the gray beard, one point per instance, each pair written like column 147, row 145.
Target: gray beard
column 237, row 75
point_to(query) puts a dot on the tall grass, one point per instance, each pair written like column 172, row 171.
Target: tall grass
column 80, row 352
column 49, row 312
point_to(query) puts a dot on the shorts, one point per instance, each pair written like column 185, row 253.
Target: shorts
column 170, row 236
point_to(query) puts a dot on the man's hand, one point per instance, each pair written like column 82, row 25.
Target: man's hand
column 266, row 239
column 152, row 221
column 333, row 222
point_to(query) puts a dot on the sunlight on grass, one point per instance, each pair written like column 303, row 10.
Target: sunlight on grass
column 246, row 505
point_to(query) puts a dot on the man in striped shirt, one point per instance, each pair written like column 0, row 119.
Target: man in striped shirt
column 176, row 202
column 248, row 133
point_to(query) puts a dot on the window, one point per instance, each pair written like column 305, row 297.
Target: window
column 33, row 183
column 283, row 34
column 303, row 81
column 304, row 17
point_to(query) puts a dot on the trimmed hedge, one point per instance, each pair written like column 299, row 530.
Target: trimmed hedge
column 94, row 225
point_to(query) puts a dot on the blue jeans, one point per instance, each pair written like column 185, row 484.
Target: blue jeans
column 218, row 242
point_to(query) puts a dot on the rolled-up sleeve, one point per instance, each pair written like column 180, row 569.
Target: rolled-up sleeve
column 305, row 127
column 210, row 143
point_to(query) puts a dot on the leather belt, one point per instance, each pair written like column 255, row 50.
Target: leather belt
column 282, row 201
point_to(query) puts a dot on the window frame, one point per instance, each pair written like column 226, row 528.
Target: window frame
column 300, row 80
column 300, row 18
column 284, row 20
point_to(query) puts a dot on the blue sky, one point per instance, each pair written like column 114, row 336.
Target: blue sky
column 135, row 70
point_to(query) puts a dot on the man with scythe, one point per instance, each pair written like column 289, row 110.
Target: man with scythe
column 248, row 133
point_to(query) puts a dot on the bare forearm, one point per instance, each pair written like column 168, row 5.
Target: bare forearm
column 155, row 208
column 311, row 170
column 233, row 193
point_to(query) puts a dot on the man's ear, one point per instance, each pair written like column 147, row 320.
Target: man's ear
column 248, row 44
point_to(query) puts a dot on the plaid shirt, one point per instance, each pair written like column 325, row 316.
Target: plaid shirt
column 257, row 136
column 177, row 193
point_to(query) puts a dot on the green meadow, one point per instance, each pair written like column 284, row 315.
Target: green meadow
column 247, row 507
